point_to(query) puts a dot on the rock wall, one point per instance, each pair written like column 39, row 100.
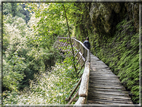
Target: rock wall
column 105, row 16
column 133, row 13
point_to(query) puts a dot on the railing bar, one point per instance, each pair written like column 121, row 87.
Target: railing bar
column 77, row 52
column 73, row 97
column 75, row 40
column 67, row 99
column 81, row 43
column 82, row 56
column 76, row 49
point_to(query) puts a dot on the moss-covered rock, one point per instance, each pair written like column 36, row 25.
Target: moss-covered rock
column 105, row 16
column 133, row 13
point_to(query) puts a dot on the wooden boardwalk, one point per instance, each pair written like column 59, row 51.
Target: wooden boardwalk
column 104, row 86
column 105, row 89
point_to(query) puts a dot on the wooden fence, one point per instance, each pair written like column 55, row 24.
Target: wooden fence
column 83, row 55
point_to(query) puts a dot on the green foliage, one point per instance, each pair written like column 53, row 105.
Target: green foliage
column 46, row 88
column 16, row 10
column 70, row 72
column 83, row 27
column 121, row 55
column 23, row 55
column 28, row 55
column 13, row 62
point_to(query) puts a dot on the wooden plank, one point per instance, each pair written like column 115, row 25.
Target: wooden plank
column 106, row 83
column 106, row 87
column 110, row 97
column 110, row 102
column 94, row 69
column 101, row 70
column 103, row 75
column 104, row 78
column 108, row 90
column 99, row 66
column 101, row 80
column 93, row 58
column 110, row 93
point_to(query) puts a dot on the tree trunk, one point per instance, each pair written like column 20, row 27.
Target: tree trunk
column 70, row 40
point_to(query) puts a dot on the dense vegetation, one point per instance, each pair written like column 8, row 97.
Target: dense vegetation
column 114, row 39
column 122, row 56
column 29, row 33
column 28, row 54
column 47, row 87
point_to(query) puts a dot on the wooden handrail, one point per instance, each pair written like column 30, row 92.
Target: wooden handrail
column 83, row 90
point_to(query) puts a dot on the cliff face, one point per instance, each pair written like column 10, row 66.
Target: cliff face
column 105, row 16
column 113, row 32
column 133, row 13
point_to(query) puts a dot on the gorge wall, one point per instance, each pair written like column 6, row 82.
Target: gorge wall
column 113, row 31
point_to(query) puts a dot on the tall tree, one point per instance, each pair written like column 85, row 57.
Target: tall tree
column 70, row 39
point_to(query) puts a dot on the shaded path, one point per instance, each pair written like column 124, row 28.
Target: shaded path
column 104, row 86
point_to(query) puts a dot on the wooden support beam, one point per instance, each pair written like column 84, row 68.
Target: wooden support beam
column 73, row 98
column 82, row 56
column 67, row 99
column 77, row 53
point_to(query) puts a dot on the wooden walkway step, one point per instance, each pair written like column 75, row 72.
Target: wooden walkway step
column 104, row 86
